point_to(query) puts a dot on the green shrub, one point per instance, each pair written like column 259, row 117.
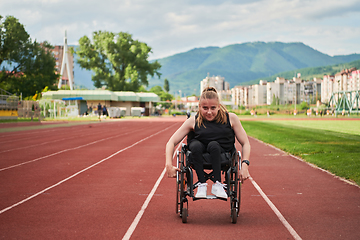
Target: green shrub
column 304, row 106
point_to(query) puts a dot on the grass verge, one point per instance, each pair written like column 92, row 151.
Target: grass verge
column 337, row 152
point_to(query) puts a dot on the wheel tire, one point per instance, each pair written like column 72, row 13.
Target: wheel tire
column 184, row 215
column 233, row 190
column 178, row 197
column 234, row 215
column 239, row 198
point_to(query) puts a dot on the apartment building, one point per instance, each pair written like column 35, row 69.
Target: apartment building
column 239, row 96
column 312, row 90
column 217, row 82
column 346, row 80
column 221, row 86
column 284, row 91
column 258, row 94
column 281, row 91
column 327, row 87
column 355, row 78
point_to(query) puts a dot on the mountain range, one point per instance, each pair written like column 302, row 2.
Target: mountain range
column 237, row 63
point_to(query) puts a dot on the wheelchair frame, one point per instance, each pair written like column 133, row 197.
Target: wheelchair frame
column 185, row 186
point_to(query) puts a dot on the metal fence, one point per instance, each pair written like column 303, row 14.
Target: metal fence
column 345, row 102
column 8, row 101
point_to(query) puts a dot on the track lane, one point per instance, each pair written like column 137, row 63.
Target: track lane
column 104, row 193
column 40, row 151
column 26, row 180
column 95, row 205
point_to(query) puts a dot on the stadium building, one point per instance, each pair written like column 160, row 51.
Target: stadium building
column 89, row 99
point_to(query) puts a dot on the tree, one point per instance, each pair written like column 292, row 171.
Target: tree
column 166, row 85
column 26, row 67
column 157, row 90
column 118, row 61
column 164, row 96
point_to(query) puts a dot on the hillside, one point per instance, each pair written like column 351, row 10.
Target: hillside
column 240, row 63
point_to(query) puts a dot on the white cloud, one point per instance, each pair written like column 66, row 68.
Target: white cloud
column 171, row 27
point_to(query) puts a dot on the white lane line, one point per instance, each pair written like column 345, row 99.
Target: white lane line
column 66, row 150
column 74, row 175
column 134, row 224
column 136, row 221
column 44, row 143
column 276, row 211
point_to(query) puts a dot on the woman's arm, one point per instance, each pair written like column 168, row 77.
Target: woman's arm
column 187, row 126
column 243, row 139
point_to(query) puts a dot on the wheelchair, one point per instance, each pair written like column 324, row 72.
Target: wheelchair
column 230, row 166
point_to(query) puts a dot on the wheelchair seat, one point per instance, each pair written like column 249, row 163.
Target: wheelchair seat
column 226, row 158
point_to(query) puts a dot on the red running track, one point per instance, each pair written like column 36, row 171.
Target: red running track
column 98, row 181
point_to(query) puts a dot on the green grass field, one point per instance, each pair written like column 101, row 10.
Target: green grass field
column 333, row 145
column 351, row 127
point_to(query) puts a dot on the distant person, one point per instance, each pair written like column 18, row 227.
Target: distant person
column 99, row 109
column 105, row 113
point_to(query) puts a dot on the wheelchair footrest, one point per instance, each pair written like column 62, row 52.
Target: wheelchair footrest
column 211, row 197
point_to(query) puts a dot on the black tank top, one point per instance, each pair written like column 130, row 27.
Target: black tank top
column 222, row 133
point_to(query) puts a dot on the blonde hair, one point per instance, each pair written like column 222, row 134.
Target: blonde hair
column 211, row 93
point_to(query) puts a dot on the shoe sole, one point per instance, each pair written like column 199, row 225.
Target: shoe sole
column 200, row 196
column 218, row 195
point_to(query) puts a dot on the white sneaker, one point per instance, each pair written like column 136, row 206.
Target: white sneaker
column 202, row 190
column 218, row 190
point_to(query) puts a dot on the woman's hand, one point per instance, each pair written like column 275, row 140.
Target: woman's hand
column 171, row 171
column 244, row 172
column 173, row 141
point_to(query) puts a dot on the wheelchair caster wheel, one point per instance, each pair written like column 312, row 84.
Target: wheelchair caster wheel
column 234, row 215
column 184, row 215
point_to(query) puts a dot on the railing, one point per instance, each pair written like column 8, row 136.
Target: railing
column 8, row 101
column 345, row 102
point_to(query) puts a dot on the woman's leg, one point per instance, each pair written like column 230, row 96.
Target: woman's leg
column 197, row 149
column 215, row 150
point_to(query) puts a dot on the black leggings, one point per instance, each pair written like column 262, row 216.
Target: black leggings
column 214, row 149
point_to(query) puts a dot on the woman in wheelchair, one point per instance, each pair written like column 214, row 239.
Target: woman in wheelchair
column 213, row 130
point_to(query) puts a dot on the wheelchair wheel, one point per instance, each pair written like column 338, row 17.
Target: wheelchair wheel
column 182, row 191
column 233, row 215
column 235, row 195
column 184, row 215
column 178, row 185
column 239, row 198
column 235, row 205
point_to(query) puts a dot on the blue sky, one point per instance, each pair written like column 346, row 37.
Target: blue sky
column 170, row 27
